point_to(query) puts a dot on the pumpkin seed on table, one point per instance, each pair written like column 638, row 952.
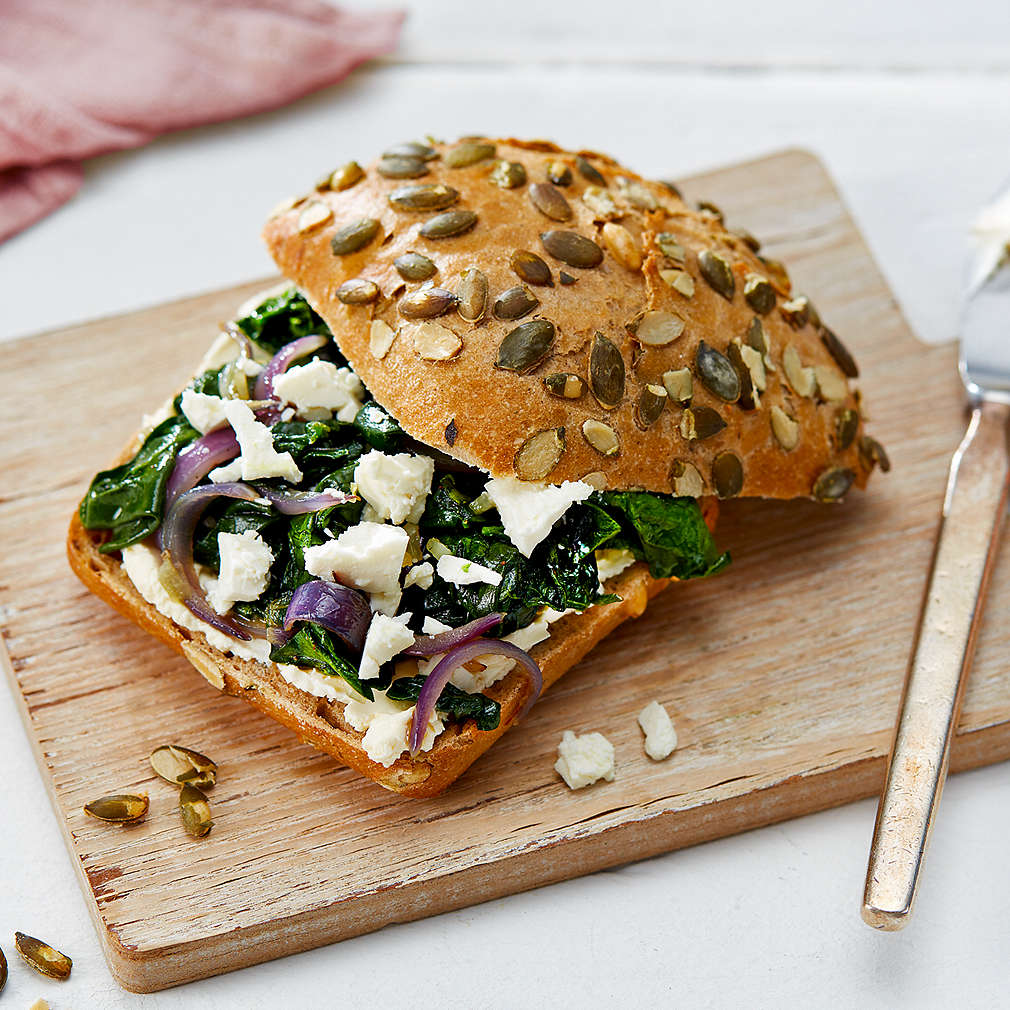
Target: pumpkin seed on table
column 727, row 475
column 606, row 372
column 621, row 245
column 44, row 959
column 531, row 268
column 839, row 352
column 194, row 808
column 358, row 291
column 679, row 384
column 471, row 294
column 452, row 222
column 686, row 480
column 526, row 346
column 354, row 236
column 785, row 429
column 601, row 202
column 651, row 402
column 402, row 168
column 508, row 174
column 565, row 384
column 425, row 196
column 548, row 199
column 469, row 153
column 656, row 328
column 717, row 373
column 680, row 280
column 601, row 437
column 559, row 173
column 539, row 454
column 717, row 272
column 669, row 246
column 515, row 303
column 314, row 215
column 758, row 293
column 435, row 342
column 572, row 248
column 119, row 808
column 426, row 303
column 846, row 427
column 589, row 171
column 380, row 338
column 872, row 452
column 833, row 484
column 699, row 423
column 412, row 266
column 342, row 178
column 411, row 149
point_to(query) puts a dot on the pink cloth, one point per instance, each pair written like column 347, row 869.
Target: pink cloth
column 82, row 77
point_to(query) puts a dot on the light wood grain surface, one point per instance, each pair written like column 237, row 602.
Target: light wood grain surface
column 782, row 675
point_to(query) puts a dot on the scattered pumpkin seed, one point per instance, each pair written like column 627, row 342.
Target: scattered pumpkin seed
column 831, row 384
column 622, row 246
column 435, row 342
column 508, row 174
column 531, row 268
column 412, row 266
column 539, row 454
column 423, row 196
column 778, row 275
column 343, row 178
column 679, row 384
column 656, row 328
column 380, row 338
column 526, row 346
column 194, row 808
column 515, row 303
column 832, row 484
column 758, row 293
column 548, row 199
column 717, row 272
column 566, row 278
column 750, row 368
column 699, row 423
column 426, row 303
column 559, row 173
column 572, row 248
column 469, row 153
column 709, row 210
column 471, row 294
column 358, row 291
column 796, row 312
column 784, row 428
column 651, row 402
column 354, row 236
column 119, row 808
column 717, row 373
column 839, row 352
column 411, row 149
column 871, row 451
column 565, row 384
column 636, row 193
column 680, row 280
column 727, row 475
column 669, row 246
column 846, row 427
column 801, row 378
column 686, row 480
column 44, row 959
column 601, row 202
column 606, row 372
column 747, row 238
column 588, row 171
column 402, row 168
column 452, row 222
column 179, row 765
column 314, row 215
column 601, row 437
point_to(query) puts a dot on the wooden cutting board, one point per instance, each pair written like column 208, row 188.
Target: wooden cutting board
column 783, row 675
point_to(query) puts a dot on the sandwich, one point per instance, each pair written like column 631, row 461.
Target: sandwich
column 488, row 415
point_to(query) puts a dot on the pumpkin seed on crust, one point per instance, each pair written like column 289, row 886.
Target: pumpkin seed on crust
column 621, row 245
column 471, row 294
column 515, row 303
column 559, row 173
column 412, row 266
column 651, row 402
column 354, row 236
column 839, row 352
column 411, row 149
column 548, row 199
column 314, row 215
column 846, row 427
column 358, row 291
column 508, row 174
column 871, row 452
column 759, row 294
column 539, row 454
column 606, row 372
column 796, row 312
column 449, row 224
column 572, row 248
column 426, row 303
column 833, row 484
column 601, row 437
column 468, row 153
column 565, row 384
column 342, row 178
column 727, row 475
column 717, row 272
column 531, row 268
column 717, row 373
column 699, row 423
column 423, row 197
column 670, row 247
column 588, row 171
column 686, row 480
column 526, row 346
column 680, row 280
column 679, row 384
column 402, row 168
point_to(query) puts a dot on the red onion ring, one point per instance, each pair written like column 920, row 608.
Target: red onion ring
column 177, row 538
column 446, row 640
column 197, row 460
column 245, row 344
column 282, row 360
column 340, row 610
column 439, row 677
column 298, row 503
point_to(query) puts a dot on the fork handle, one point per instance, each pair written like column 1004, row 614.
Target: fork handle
column 973, row 510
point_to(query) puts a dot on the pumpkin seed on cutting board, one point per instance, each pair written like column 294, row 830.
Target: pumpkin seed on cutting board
column 179, row 765
column 194, row 808
column 119, row 808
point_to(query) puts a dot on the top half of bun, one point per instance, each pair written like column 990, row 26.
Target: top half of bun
column 658, row 349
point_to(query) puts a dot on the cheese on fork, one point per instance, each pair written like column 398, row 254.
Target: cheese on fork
column 528, row 510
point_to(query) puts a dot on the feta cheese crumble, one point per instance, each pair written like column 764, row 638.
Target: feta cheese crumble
column 528, row 511
column 203, row 411
column 244, row 571
column 660, row 736
column 320, row 385
column 396, row 486
column 259, row 457
column 611, row 561
column 461, row 572
column 433, row 626
column 386, row 638
column 368, row 557
column 420, row 575
column 583, row 760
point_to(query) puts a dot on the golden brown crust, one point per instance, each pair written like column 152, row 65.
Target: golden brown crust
column 493, row 411
column 321, row 723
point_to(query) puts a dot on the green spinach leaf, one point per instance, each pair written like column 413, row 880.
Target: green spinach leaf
column 485, row 711
column 313, row 646
column 280, row 319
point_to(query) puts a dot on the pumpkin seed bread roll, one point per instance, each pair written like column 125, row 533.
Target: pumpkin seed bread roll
column 552, row 316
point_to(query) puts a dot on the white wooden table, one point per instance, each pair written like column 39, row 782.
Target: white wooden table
column 909, row 105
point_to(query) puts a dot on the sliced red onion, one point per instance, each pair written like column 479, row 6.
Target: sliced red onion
column 439, row 677
column 282, row 360
column 339, row 610
column 298, row 503
column 197, row 460
column 245, row 344
column 177, row 538
column 446, row 640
